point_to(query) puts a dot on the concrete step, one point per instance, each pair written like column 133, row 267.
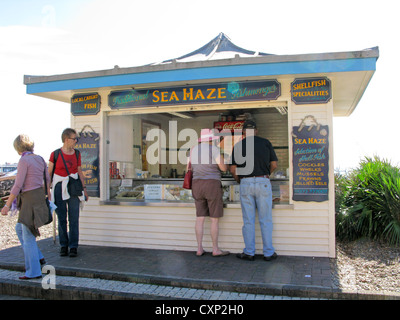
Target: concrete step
column 84, row 288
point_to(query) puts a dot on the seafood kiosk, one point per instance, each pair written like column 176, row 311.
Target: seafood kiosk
column 136, row 126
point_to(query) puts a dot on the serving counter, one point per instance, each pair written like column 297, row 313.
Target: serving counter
column 169, row 192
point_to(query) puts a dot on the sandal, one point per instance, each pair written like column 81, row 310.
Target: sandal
column 222, row 254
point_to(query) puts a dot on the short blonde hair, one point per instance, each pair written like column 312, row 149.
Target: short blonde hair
column 23, row 143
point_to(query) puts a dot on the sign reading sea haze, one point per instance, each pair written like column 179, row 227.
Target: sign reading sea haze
column 199, row 94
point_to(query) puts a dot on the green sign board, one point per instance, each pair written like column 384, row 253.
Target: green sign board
column 311, row 90
column 198, row 94
column 85, row 104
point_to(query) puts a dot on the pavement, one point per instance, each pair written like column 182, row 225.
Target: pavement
column 147, row 274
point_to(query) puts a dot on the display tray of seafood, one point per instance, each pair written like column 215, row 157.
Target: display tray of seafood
column 156, row 192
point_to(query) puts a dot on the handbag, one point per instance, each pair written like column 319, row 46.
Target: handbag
column 75, row 187
column 187, row 181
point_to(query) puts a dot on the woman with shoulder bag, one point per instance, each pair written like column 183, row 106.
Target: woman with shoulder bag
column 207, row 164
column 65, row 168
column 33, row 211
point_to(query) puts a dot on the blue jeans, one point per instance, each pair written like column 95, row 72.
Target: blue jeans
column 256, row 193
column 68, row 207
column 32, row 252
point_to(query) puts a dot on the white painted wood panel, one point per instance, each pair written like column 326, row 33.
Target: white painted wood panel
column 172, row 228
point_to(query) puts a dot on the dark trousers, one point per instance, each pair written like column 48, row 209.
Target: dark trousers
column 67, row 208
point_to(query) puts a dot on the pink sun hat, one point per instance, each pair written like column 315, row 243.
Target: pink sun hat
column 207, row 135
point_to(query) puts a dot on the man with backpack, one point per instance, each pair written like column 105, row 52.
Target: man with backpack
column 68, row 189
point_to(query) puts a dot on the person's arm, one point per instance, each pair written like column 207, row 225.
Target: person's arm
column 50, row 169
column 272, row 166
column 22, row 170
column 16, row 189
column 188, row 161
column 232, row 169
column 47, row 182
column 7, row 206
column 82, row 177
column 80, row 173
column 221, row 163
column 233, row 166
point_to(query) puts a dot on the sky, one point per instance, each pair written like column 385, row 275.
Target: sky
column 52, row 37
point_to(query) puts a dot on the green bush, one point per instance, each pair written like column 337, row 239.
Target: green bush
column 340, row 189
column 370, row 203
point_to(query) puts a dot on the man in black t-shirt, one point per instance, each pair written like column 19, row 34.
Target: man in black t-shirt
column 253, row 160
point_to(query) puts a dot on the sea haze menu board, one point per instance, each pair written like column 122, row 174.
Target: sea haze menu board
column 310, row 163
column 88, row 145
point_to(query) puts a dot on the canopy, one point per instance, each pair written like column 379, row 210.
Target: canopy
column 221, row 47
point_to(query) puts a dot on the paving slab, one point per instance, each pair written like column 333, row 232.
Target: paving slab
column 125, row 270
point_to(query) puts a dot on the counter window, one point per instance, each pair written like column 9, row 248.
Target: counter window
column 147, row 153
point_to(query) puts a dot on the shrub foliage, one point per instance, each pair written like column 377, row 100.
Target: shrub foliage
column 368, row 202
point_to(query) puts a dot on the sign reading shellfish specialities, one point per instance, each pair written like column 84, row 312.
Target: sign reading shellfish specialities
column 311, row 90
column 310, row 163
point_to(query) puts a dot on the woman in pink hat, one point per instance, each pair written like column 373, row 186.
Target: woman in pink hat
column 207, row 164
